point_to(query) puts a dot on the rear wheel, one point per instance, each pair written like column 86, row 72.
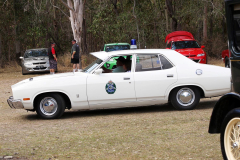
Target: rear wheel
column 185, row 98
column 50, row 106
column 230, row 135
column 227, row 63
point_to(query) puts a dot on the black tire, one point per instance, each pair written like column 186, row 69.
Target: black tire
column 227, row 63
column 229, row 146
column 185, row 98
column 23, row 73
column 50, row 106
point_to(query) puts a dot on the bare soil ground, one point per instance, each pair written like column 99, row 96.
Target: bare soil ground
column 153, row 132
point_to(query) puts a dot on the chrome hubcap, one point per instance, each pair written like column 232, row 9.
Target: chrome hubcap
column 235, row 145
column 232, row 139
column 185, row 96
column 48, row 106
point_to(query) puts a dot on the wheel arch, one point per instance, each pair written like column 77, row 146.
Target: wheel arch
column 223, row 106
column 202, row 94
column 65, row 97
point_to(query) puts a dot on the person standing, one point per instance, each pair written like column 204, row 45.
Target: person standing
column 52, row 58
column 75, row 56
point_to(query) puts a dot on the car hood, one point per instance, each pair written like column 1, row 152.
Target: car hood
column 48, row 77
column 190, row 51
column 36, row 58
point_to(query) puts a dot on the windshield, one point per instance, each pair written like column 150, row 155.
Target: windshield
column 185, row 44
column 92, row 66
column 35, row 53
column 116, row 47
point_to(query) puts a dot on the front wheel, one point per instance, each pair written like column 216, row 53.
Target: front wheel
column 185, row 98
column 50, row 106
column 230, row 136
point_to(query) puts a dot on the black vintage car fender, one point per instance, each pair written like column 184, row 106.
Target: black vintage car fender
column 224, row 105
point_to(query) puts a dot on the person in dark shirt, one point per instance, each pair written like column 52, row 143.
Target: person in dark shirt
column 52, row 58
column 75, row 56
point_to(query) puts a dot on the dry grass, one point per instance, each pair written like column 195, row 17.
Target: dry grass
column 215, row 61
column 153, row 132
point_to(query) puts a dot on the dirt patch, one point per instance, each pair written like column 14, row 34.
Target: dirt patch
column 153, row 132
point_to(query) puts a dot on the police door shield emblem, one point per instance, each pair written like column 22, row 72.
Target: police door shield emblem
column 110, row 87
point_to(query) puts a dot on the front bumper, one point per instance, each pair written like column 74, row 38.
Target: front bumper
column 15, row 103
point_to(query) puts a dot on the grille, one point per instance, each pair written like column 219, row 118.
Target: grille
column 191, row 56
column 39, row 63
column 43, row 68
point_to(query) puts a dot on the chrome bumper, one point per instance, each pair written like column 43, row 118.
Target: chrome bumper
column 15, row 103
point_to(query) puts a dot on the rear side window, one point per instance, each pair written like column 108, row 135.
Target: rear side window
column 147, row 63
column 165, row 63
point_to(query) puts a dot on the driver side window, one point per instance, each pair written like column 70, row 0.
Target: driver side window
column 118, row 64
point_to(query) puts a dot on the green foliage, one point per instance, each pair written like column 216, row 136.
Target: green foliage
column 35, row 26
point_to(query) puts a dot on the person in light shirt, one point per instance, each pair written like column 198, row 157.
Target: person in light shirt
column 119, row 68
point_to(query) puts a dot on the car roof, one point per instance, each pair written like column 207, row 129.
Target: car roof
column 36, row 49
column 112, row 44
column 174, row 56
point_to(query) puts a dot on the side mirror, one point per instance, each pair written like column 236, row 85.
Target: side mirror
column 20, row 57
column 99, row 71
column 202, row 46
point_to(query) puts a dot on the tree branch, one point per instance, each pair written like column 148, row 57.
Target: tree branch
column 4, row 3
column 59, row 9
column 65, row 4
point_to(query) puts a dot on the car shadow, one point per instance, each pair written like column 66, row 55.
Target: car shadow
column 131, row 110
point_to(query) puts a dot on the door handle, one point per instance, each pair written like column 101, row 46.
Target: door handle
column 125, row 78
column 170, row 75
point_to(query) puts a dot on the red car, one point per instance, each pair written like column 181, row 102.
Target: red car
column 184, row 43
column 225, row 58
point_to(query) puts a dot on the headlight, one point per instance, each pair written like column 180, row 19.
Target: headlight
column 108, row 65
column 27, row 64
column 199, row 55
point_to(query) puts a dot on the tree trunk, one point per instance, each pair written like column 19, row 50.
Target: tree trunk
column 114, row 2
column 171, row 14
column 1, row 56
column 166, row 15
column 76, row 17
column 76, row 9
column 17, row 42
column 136, row 24
column 211, row 21
column 205, row 23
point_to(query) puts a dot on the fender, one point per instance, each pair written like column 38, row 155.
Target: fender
column 225, row 104
column 172, row 87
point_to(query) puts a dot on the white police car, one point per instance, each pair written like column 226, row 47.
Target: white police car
column 157, row 76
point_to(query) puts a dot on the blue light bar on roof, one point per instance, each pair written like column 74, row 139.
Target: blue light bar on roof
column 133, row 44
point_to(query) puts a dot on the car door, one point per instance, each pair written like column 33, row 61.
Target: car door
column 152, row 76
column 111, row 90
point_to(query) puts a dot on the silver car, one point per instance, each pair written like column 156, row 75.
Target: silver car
column 35, row 60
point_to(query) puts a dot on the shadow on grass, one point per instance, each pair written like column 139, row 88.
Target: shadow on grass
column 124, row 111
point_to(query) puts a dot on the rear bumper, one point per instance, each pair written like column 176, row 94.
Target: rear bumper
column 15, row 103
